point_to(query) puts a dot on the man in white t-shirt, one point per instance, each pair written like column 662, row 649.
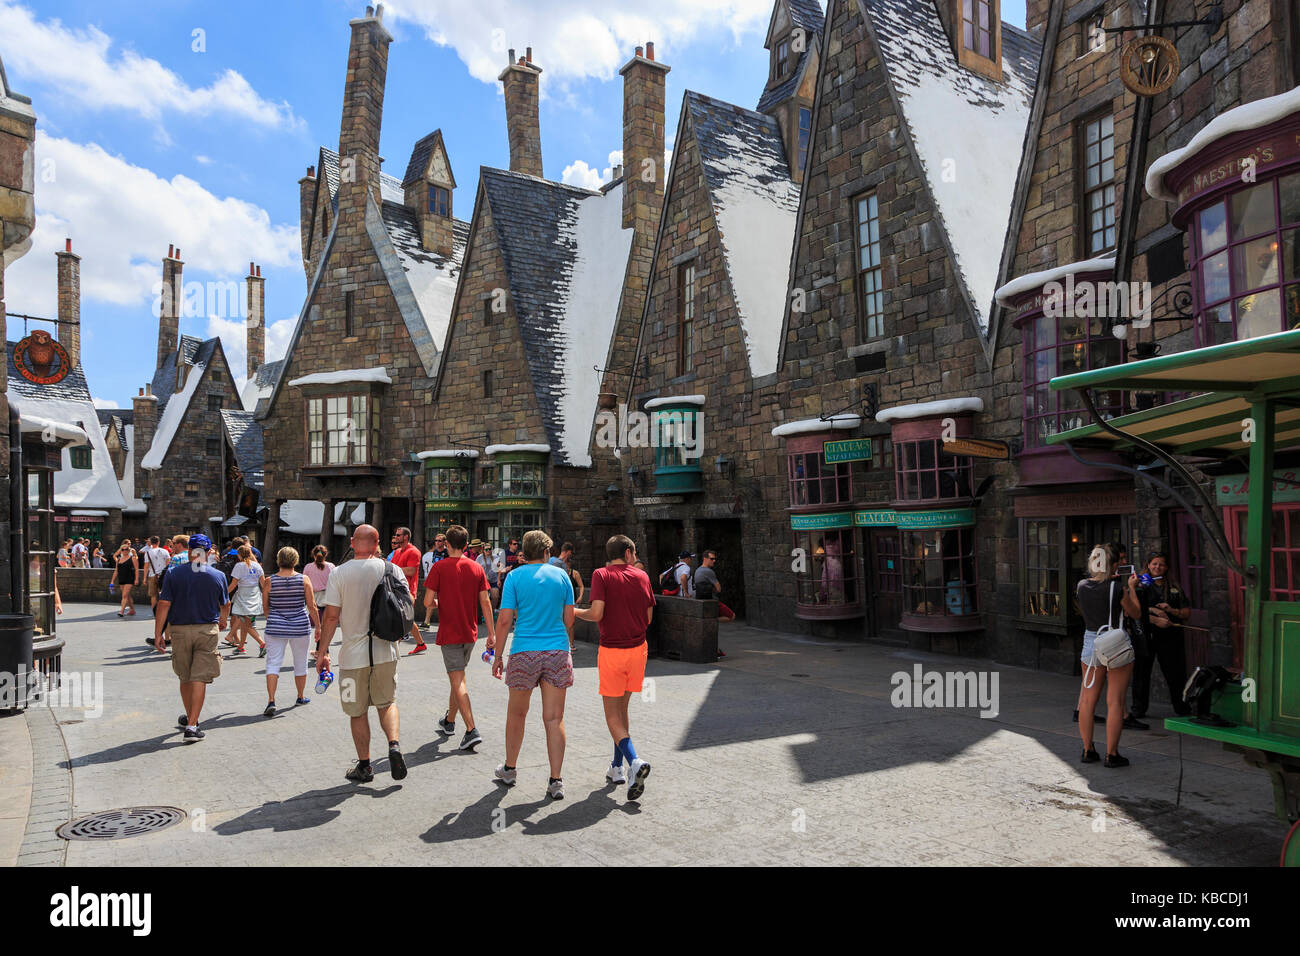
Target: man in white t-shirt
column 80, row 555
column 683, row 576
column 367, row 665
column 156, row 559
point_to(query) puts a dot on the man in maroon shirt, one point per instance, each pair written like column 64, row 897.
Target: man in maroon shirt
column 622, row 604
column 457, row 586
column 407, row 557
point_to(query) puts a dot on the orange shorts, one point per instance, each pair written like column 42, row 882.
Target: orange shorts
column 621, row 669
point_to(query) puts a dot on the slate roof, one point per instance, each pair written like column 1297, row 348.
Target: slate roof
column 245, row 436
column 808, row 15
column 199, row 355
column 116, row 419
column 72, row 388
column 390, row 188
column 421, row 154
column 565, row 256
column 262, row 384
column 195, row 350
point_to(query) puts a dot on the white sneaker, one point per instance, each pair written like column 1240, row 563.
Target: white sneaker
column 555, row 789
column 615, row 775
column 636, row 774
column 508, row 777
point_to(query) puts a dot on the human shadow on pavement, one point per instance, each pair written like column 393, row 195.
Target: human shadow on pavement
column 173, row 738
column 578, row 816
column 486, row 816
column 303, row 812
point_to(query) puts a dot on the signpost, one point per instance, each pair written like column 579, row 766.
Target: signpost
column 977, row 448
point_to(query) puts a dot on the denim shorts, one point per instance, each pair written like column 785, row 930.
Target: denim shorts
column 1087, row 657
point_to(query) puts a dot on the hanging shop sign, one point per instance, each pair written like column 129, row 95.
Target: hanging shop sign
column 950, row 518
column 846, row 449
column 446, row 505
column 510, row 504
column 976, row 448
column 1235, row 489
column 650, row 500
column 826, row 522
column 40, row 359
column 1148, row 65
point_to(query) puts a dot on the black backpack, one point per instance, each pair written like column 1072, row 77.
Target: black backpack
column 668, row 580
column 391, row 608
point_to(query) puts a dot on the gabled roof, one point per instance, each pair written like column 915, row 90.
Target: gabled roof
column 245, row 437
column 73, row 387
column 963, row 125
column 755, row 203
column 565, row 252
column 172, row 410
column 261, row 384
column 422, row 155
column 808, row 15
column 164, row 377
column 116, row 419
column 390, row 188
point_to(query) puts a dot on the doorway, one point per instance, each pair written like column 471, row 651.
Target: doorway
column 723, row 535
column 667, row 540
column 885, row 566
column 1085, row 533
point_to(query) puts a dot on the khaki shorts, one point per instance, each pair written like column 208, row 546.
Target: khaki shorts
column 153, row 586
column 456, row 657
column 194, row 652
column 367, row 687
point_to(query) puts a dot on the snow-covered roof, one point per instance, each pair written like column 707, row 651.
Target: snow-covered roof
column 134, row 505
column 811, row 425
column 565, row 252
column 755, row 205
column 173, row 414
column 93, row 487
column 1033, row 281
column 505, row 449
column 448, row 453
column 87, row 513
column 245, row 436
column 947, row 406
column 968, row 131
column 1248, row 116
column 345, row 376
column 261, row 384
column 299, row 516
column 57, row 430
column 676, row 400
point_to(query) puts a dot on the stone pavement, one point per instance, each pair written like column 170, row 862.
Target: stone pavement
column 788, row 752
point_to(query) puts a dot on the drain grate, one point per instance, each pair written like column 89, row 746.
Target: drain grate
column 120, row 824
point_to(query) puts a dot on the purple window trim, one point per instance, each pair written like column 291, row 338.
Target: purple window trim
column 835, row 477
column 1030, row 349
column 910, row 449
column 820, row 586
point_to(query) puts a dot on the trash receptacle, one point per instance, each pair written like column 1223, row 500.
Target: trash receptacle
column 16, row 635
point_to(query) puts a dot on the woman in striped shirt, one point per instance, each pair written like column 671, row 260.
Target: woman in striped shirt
column 291, row 619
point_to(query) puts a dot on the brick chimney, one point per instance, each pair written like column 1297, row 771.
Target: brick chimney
column 363, row 110
column 169, row 319
column 522, row 126
column 70, row 302
column 144, row 414
column 643, row 139
column 306, row 195
column 256, row 321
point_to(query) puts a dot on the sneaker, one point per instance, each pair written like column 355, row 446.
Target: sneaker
column 270, row 710
column 1115, row 760
column 470, row 740
column 192, row 736
column 508, row 777
column 417, row 649
column 396, row 763
column 1090, row 756
column 555, row 789
column 360, row 774
column 448, row 727
column 302, row 700
column 615, row 775
column 262, row 652
column 1132, row 723
column 236, row 651
column 636, row 773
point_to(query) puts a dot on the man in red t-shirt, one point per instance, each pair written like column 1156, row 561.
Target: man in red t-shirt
column 407, row 557
column 622, row 604
column 458, row 587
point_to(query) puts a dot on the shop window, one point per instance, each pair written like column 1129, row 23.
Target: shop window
column 923, row 474
column 676, row 434
column 342, row 430
column 79, row 456
column 813, row 482
column 1246, row 262
column 871, row 297
column 521, row 479
column 437, row 522
column 1040, row 571
column 1284, row 561
column 829, row 576
column 515, row 524
column 447, row 483
column 1062, row 346
column 1097, row 183
column 939, row 573
column 487, row 481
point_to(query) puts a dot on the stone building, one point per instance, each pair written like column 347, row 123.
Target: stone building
column 353, row 397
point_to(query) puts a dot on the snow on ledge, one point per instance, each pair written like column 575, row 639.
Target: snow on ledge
column 1036, row 280
column 448, row 453
column 676, row 400
column 217, row 518
column 499, row 449
column 60, row 430
column 810, row 425
column 948, row 406
column 1248, row 116
column 77, row 513
column 346, row 376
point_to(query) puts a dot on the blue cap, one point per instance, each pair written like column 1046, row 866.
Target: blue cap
column 200, row 541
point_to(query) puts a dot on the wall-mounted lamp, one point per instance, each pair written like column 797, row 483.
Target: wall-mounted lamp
column 634, row 473
column 611, row 492
column 725, row 466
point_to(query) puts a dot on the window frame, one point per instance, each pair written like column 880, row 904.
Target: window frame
column 439, row 201
column 803, row 137
column 812, row 591
column 1033, row 388
column 937, row 469
column 781, row 59
column 832, row 485
column 687, row 310
column 81, row 457
column 967, row 557
column 875, row 272
column 216, row 401
column 1041, row 575
column 1104, row 186
column 972, row 20
column 371, row 430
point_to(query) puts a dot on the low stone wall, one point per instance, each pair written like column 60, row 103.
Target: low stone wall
column 90, row 586
column 683, row 629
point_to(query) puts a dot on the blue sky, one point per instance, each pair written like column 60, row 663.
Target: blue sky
column 151, row 133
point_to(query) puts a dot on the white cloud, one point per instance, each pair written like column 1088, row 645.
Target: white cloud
column 578, row 173
column 278, row 335
column 122, row 218
column 106, row 403
column 81, row 66
column 204, row 160
column 573, row 39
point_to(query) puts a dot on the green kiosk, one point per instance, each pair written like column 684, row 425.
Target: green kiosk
column 1245, row 405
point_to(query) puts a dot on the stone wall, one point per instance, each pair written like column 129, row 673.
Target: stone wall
column 90, row 585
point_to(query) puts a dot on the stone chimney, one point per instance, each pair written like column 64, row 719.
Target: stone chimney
column 144, row 414
column 70, row 302
column 363, row 110
column 522, row 126
column 256, row 322
column 169, row 318
column 643, row 139
column 1036, row 16
column 306, row 195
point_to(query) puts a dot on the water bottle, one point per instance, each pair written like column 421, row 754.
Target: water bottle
column 112, row 587
column 323, row 684
column 488, row 655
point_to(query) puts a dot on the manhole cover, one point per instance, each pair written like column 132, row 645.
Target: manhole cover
column 119, row 824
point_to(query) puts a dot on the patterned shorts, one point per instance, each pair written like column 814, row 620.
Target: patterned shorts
column 526, row 669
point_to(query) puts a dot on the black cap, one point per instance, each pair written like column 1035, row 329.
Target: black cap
column 686, row 554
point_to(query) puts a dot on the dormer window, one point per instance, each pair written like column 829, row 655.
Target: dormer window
column 439, row 201
column 782, row 65
column 976, row 27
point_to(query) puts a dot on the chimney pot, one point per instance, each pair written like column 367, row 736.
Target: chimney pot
column 640, row 51
column 141, row 394
column 259, row 272
column 379, row 11
column 511, row 58
column 528, row 54
column 250, row 269
column 649, row 50
column 67, row 247
column 169, row 250
column 370, row 11
column 311, row 172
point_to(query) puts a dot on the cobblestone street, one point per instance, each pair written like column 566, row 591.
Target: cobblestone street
column 788, row 752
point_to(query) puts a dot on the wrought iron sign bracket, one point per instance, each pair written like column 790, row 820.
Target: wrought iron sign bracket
column 867, row 402
column 1212, row 22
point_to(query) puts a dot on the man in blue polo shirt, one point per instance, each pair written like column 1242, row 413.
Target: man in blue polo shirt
column 192, row 606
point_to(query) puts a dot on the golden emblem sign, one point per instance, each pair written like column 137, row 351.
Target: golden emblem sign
column 1148, row 65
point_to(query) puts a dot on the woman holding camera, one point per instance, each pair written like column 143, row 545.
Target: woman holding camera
column 1104, row 600
column 1164, row 611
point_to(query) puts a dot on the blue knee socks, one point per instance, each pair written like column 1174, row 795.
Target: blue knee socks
column 625, row 747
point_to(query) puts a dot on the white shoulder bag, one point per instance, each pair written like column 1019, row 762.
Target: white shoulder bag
column 1112, row 646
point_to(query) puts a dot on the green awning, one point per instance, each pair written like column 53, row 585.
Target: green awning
column 1210, row 424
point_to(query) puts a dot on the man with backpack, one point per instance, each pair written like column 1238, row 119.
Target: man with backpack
column 676, row 581
column 368, row 599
